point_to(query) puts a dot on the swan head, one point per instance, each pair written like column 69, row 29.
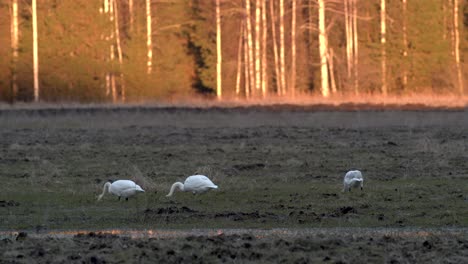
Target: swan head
column 138, row 188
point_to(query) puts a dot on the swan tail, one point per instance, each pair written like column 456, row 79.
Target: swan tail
column 106, row 186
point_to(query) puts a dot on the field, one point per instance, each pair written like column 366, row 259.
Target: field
column 279, row 172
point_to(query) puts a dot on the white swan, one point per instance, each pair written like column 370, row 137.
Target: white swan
column 352, row 179
column 194, row 184
column 121, row 188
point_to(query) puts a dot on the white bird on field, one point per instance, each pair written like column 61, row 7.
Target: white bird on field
column 194, row 184
column 352, row 179
column 121, row 188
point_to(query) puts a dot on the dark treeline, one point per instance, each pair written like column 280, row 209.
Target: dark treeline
column 131, row 50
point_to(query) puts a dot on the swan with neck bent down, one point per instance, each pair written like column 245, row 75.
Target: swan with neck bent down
column 121, row 188
column 194, row 184
column 352, row 179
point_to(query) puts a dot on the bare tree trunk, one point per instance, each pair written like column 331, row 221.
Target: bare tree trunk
column 282, row 59
column 355, row 46
column 457, row 47
column 130, row 11
column 323, row 46
column 218, row 52
column 119, row 49
column 149, row 43
column 405, row 46
column 239, row 59
column 14, row 48
column 250, row 45
column 293, row 49
column 257, row 47
column 247, row 65
column 330, row 56
column 348, row 37
column 264, row 50
column 382, row 41
column 35, row 52
column 275, row 48
column 112, row 52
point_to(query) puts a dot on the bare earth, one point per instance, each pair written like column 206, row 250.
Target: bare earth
column 279, row 169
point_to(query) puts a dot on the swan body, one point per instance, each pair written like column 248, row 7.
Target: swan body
column 121, row 188
column 194, row 184
column 353, row 179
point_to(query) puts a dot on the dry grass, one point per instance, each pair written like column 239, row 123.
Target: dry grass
column 412, row 101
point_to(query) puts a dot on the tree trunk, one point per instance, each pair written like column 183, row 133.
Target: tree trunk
column 14, row 48
column 119, row 49
column 323, row 46
column 275, row 48
column 250, row 45
column 239, row 59
column 405, row 46
column 35, row 52
column 355, row 46
column 293, row 49
column 130, row 12
column 382, row 42
column 457, row 47
column 149, row 43
column 246, row 63
column 218, row 52
column 257, row 47
column 282, row 59
column 264, row 50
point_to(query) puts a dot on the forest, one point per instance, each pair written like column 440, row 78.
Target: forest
column 135, row 51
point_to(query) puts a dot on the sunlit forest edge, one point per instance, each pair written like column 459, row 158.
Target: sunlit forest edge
column 233, row 53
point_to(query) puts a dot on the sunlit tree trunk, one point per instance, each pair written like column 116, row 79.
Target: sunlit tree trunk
column 149, row 43
column 250, row 45
column 239, row 59
column 112, row 52
column 383, row 46
column 218, row 52
column 348, row 37
column 246, row 63
column 355, row 46
column 119, row 48
column 275, row 48
column 35, row 51
column 14, row 48
column 293, row 49
column 130, row 11
column 330, row 57
column 282, row 57
column 323, row 47
column 264, row 49
column 257, row 47
column 457, row 46
column 405, row 45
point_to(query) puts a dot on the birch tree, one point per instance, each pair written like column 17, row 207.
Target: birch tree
column 281, row 56
column 119, row 48
column 323, row 48
column 149, row 43
column 218, row 52
column 257, row 47
column 14, row 48
column 264, row 49
column 275, row 48
column 250, row 45
column 383, row 47
column 405, row 45
column 457, row 46
column 293, row 49
column 35, row 51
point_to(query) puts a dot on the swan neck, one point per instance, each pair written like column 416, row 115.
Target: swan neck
column 174, row 187
column 106, row 186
